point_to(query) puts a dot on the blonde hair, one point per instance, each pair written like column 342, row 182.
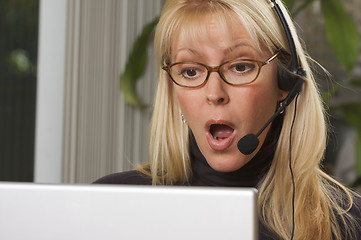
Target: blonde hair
column 318, row 197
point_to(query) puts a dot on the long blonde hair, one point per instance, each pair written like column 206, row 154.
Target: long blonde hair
column 318, row 197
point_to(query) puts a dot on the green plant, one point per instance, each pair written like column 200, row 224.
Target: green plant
column 135, row 66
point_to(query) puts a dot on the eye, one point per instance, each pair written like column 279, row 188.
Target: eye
column 241, row 67
column 190, row 71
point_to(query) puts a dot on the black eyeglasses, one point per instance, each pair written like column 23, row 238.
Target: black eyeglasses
column 235, row 72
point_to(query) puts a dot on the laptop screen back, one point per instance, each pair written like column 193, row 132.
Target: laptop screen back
column 93, row 212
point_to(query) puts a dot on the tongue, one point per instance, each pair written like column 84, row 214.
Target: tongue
column 221, row 131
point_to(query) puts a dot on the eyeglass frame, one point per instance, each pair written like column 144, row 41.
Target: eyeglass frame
column 211, row 69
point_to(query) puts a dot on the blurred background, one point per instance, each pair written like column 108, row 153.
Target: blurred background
column 69, row 116
column 18, row 80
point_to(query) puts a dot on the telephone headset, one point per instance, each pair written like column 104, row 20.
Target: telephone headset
column 286, row 81
column 291, row 82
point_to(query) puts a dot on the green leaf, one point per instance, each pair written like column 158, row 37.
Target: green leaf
column 341, row 33
column 352, row 113
column 135, row 66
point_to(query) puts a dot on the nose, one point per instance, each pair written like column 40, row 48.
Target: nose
column 216, row 90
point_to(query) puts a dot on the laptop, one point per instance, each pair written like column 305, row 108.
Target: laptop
column 100, row 212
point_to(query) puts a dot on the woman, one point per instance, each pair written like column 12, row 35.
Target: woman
column 222, row 62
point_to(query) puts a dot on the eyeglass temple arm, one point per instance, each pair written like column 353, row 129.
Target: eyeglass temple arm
column 271, row 59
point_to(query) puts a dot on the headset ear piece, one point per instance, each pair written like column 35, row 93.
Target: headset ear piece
column 286, row 80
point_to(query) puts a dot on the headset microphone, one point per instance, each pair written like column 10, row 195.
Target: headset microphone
column 292, row 83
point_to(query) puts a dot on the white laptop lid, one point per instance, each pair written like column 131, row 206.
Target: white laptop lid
column 98, row 212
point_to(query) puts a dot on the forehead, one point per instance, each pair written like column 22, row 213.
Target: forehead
column 218, row 31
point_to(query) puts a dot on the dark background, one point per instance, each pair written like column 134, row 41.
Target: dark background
column 18, row 58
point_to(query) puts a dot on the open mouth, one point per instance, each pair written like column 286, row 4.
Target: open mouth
column 220, row 131
column 220, row 134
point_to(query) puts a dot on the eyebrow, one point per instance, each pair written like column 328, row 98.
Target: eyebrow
column 228, row 50
column 241, row 44
column 192, row 51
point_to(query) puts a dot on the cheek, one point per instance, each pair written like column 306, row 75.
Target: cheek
column 258, row 102
column 181, row 97
column 256, row 106
column 266, row 92
column 265, row 100
column 189, row 102
column 182, row 100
